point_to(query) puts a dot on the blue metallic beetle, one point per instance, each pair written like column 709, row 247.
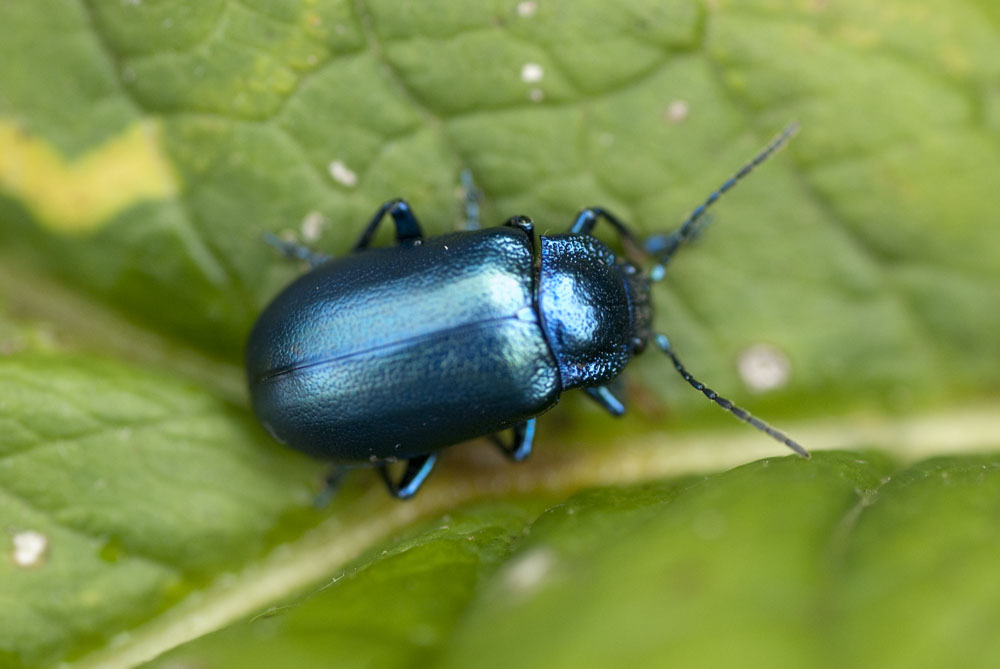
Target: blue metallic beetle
column 394, row 353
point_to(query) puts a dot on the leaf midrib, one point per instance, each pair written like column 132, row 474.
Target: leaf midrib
column 372, row 518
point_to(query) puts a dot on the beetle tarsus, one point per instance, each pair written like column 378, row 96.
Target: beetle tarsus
column 417, row 470
column 607, row 399
column 519, row 447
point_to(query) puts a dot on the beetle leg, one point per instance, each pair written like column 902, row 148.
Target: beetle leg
column 330, row 486
column 472, row 196
column 523, row 223
column 294, row 251
column 588, row 218
column 416, row 473
column 519, row 447
column 607, row 399
column 408, row 232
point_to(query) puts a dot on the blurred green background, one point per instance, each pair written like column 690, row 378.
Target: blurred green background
column 145, row 148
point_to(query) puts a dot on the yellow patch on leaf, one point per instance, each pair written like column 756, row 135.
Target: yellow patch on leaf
column 80, row 196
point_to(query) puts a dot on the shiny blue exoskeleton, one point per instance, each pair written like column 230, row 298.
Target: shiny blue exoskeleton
column 394, row 353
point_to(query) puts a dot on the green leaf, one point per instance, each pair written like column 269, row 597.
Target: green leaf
column 139, row 488
column 835, row 562
column 147, row 145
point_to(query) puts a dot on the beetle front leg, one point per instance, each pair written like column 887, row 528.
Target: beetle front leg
column 520, row 446
column 588, row 218
column 607, row 399
column 416, row 473
column 408, row 230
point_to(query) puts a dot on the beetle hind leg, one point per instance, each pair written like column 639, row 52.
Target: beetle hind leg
column 519, row 447
column 471, row 197
column 413, row 477
column 408, row 232
column 331, row 484
column 294, row 251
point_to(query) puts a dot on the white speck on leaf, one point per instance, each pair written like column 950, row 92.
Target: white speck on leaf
column 528, row 571
column 342, row 174
column 527, row 8
column 536, row 95
column 312, row 226
column 29, row 548
column 532, row 73
column 677, row 111
column 763, row 367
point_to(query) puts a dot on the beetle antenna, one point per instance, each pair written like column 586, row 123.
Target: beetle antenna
column 664, row 345
column 663, row 247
